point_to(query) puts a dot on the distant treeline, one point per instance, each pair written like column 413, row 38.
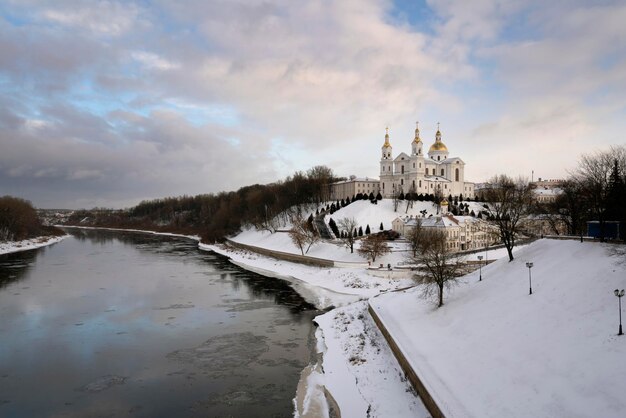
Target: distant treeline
column 19, row 221
column 215, row 216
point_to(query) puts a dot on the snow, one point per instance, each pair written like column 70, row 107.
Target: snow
column 359, row 368
column 367, row 213
column 28, row 244
column 322, row 286
column 493, row 350
column 142, row 231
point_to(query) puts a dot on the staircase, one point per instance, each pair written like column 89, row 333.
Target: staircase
column 322, row 228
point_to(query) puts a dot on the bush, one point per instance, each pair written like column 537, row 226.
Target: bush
column 19, row 220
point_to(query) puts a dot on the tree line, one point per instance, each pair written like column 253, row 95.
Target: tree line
column 215, row 216
column 19, row 221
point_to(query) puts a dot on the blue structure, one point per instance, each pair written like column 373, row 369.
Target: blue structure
column 611, row 229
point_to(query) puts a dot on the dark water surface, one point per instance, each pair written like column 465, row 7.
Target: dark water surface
column 107, row 324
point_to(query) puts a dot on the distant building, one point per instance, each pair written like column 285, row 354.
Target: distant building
column 462, row 232
column 548, row 183
column 546, row 191
column 353, row 186
column 423, row 174
column 546, row 194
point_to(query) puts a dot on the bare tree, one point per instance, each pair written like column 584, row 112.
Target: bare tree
column 373, row 246
column 438, row 198
column 348, row 225
column 410, row 198
column 593, row 180
column 414, row 236
column 438, row 259
column 321, row 177
column 303, row 235
column 509, row 201
column 396, row 198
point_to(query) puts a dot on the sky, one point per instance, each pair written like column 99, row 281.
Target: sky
column 107, row 103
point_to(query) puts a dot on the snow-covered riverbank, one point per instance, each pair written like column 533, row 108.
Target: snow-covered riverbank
column 28, row 244
column 358, row 370
column 142, row 231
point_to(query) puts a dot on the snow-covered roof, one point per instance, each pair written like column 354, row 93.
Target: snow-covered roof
column 552, row 191
column 362, row 179
column 450, row 160
column 402, row 156
column 432, row 221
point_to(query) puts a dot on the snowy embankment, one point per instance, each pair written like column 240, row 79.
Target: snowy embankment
column 142, row 231
column 360, row 370
column 320, row 286
column 493, row 350
column 28, row 244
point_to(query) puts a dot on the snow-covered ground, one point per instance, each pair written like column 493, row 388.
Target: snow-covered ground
column 143, row 231
column 493, row 350
column 367, row 213
column 363, row 211
column 28, row 244
column 360, row 370
column 322, row 286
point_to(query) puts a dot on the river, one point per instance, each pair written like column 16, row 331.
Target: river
column 117, row 324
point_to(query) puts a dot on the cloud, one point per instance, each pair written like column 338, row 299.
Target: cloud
column 130, row 100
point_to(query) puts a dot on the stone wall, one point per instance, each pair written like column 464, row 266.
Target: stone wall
column 415, row 380
column 295, row 258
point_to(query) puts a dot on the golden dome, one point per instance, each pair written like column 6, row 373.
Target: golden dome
column 438, row 145
column 444, row 202
column 417, row 134
column 386, row 144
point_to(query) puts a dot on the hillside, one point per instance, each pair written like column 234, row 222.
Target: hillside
column 493, row 350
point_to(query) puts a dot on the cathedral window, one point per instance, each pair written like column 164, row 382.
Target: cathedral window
column 413, row 165
column 426, row 171
column 420, row 183
column 402, row 168
column 402, row 182
column 442, row 172
column 456, row 176
column 439, row 158
column 420, row 165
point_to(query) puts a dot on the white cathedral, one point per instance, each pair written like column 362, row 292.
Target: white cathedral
column 423, row 174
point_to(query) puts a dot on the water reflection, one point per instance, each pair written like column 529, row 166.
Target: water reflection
column 16, row 265
column 106, row 324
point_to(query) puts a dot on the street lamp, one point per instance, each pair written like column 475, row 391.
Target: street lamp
column 619, row 294
column 480, row 266
column 530, row 283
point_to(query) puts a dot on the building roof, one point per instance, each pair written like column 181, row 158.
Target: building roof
column 361, row 179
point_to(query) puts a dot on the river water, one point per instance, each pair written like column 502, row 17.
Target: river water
column 110, row 324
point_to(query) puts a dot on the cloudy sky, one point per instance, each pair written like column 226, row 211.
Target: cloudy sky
column 106, row 103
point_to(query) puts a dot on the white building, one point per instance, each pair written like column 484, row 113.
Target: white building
column 423, row 174
column 462, row 232
column 353, row 186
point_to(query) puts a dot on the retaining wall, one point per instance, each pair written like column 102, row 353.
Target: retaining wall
column 415, row 380
column 296, row 258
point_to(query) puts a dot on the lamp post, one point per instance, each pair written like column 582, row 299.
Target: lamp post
column 619, row 294
column 480, row 266
column 530, row 282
